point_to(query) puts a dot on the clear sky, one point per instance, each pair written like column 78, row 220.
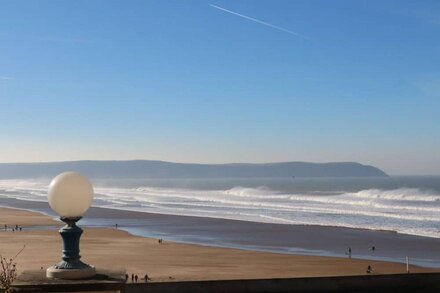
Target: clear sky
column 222, row 81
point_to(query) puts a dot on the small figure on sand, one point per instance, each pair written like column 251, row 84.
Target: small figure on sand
column 369, row 269
column 349, row 252
column 146, row 278
column 373, row 248
column 132, row 278
column 135, row 278
column 126, row 278
column 160, row 241
column 116, row 226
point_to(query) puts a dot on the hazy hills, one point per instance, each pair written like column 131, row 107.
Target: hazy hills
column 160, row 169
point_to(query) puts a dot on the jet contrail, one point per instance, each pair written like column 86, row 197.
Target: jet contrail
column 260, row 22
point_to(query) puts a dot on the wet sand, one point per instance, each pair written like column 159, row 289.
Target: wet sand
column 115, row 249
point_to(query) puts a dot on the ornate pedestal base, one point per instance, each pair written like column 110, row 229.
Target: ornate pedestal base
column 71, row 267
column 70, row 274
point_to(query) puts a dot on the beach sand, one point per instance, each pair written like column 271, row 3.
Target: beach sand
column 12, row 217
column 278, row 238
column 108, row 248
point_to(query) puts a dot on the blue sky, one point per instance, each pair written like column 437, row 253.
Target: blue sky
column 222, row 81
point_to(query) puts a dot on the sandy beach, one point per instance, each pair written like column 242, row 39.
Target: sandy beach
column 278, row 238
column 115, row 249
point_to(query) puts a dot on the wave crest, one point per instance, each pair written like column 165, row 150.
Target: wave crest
column 406, row 210
column 404, row 194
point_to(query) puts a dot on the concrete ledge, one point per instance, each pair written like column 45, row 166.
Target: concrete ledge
column 36, row 281
column 421, row 282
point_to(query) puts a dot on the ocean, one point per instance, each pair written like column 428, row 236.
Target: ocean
column 408, row 205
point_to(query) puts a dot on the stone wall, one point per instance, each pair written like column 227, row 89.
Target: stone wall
column 423, row 282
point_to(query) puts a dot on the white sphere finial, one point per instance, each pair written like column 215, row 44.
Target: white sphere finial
column 70, row 194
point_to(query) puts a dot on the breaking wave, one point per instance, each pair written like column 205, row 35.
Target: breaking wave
column 404, row 210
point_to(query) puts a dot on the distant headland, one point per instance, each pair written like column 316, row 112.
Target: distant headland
column 161, row 169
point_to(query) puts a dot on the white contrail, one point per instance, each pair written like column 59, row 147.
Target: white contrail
column 260, row 22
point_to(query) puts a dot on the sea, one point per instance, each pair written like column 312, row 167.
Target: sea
column 407, row 205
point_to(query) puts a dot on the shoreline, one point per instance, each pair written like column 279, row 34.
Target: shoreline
column 217, row 218
column 115, row 249
column 265, row 237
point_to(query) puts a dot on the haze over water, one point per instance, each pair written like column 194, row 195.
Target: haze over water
column 409, row 205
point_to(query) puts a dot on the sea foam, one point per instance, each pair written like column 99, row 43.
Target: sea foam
column 405, row 210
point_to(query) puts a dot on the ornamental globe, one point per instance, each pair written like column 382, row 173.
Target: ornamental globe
column 70, row 194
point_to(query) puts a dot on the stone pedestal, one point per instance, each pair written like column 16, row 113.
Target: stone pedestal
column 71, row 267
column 70, row 274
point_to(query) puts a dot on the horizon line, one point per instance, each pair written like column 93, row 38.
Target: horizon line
column 174, row 162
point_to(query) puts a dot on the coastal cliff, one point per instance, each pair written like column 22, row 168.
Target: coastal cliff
column 160, row 169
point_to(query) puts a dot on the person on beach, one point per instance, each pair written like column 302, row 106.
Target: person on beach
column 146, row 278
column 373, row 248
column 369, row 269
column 116, row 226
column 135, row 278
column 132, row 278
column 349, row 252
column 126, row 278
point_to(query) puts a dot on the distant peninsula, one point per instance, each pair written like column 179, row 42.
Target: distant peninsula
column 161, row 169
